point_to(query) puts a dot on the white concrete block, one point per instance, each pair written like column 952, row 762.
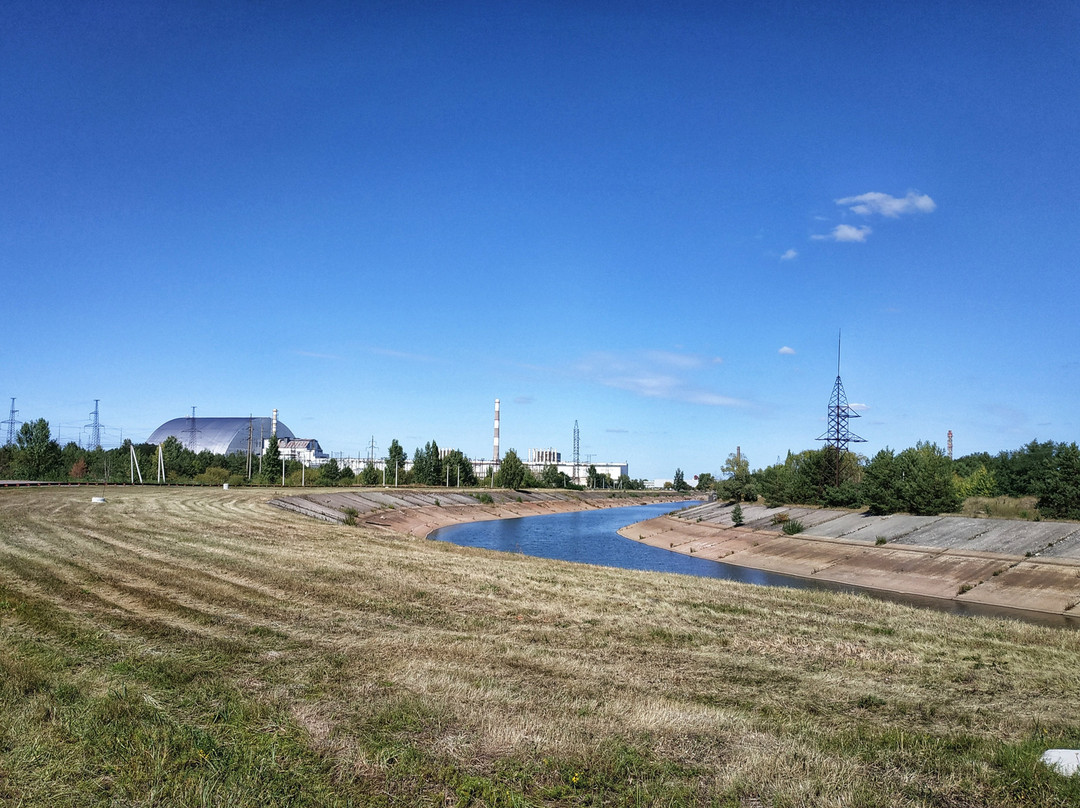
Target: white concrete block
column 1063, row 761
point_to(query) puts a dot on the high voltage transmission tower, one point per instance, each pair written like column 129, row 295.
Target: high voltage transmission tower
column 11, row 423
column 192, row 432
column 838, row 435
column 95, row 428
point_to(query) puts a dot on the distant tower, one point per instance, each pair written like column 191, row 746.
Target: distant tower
column 838, row 436
column 192, row 432
column 577, row 451
column 273, row 422
column 11, row 423
column 95, row 427
column 950, row 444
column 495, row 453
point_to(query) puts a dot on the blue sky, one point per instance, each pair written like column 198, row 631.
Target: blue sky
column 651, row 218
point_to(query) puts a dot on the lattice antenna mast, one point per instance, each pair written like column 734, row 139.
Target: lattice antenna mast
column 11, row 423
column 838, row 435
column 95, row 427
column 192, row 432
column 577, row 451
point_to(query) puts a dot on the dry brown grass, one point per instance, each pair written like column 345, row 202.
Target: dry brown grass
column 401, row 658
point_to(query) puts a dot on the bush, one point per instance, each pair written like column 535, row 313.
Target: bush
column 780, row 518
column 737, row 516
column 214, row 475
column 792, row 527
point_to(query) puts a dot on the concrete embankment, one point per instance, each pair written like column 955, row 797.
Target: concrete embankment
column 419, row 512
column 1033, row 566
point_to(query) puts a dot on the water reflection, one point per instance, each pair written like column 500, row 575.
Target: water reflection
column 591, row 537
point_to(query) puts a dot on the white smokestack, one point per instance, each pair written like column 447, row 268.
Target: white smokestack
column 273, row 423
column 495, row 456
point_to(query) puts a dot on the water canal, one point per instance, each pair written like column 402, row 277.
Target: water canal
column 591, row 537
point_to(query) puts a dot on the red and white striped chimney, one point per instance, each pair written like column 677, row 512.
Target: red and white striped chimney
column 495, row 456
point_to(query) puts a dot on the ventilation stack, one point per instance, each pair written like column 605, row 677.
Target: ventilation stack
column 273, row 423
column 495, row 455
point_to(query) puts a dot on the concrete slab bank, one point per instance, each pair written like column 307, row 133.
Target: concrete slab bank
column 1048, row 585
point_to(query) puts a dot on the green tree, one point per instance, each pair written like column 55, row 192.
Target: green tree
column 329, row 472
column 591, row 476
column 979, row 483
column 347, row 476
column 427, row 465
column 395, row 461
column 370, row 475
column 705, row 481
column 271, row 460
column 37, row 455
column 736, row 464
column 737, row 515
column 419, row 467
column 881, row 489
column 1023, row 472
column 1059, row 491
column 459, row 467
column 926, row 480
column 679, row 483
column 511, row 471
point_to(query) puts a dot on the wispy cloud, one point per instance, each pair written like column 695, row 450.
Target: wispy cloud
column 786, row 351
column 790, row 255
column 658, row 374
column 859, row 407
column 314, row 355
column 886, row 205
column 392, row 354
column 845, row 232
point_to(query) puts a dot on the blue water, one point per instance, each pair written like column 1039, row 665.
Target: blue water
column 590, row 537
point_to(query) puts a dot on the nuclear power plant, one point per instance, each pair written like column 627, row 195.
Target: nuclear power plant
column 229, row 435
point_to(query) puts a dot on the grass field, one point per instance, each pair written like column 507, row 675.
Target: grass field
column 195, row 647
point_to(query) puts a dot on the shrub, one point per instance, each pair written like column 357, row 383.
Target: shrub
column 792, row 527
column 780, row 518
column 879, row 540
column 737, row 516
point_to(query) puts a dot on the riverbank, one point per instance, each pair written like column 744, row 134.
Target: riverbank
column 948, row 571
column 420, row 512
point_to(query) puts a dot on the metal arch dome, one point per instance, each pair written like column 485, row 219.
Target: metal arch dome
column 219, row 435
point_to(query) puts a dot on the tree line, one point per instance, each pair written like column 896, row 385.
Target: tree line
column 35, row 455
column 919, row 480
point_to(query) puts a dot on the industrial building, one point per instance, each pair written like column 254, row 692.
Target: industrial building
column 226, row 436
column 221, row 435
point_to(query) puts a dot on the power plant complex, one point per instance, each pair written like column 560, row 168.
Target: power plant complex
column 251, row 435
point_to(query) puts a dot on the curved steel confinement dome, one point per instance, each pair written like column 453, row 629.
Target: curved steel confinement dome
column 219, row 435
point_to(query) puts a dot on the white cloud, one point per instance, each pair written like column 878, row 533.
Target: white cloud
column 789, row 255
column 846, row 232
column 786, row 351
column 890, row 206
column 658, row 374
column 859, row 407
